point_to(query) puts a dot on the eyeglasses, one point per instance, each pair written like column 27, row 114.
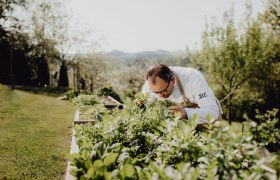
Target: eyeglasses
column 163, row 92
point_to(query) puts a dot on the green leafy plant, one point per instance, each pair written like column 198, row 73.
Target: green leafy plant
column 146, row 142
column 85, row 100
column 89, row 107
column 266, row 133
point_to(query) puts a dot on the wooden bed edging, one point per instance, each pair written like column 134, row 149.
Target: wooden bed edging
column 74, row 149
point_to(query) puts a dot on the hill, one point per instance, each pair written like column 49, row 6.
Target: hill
column 119, row 59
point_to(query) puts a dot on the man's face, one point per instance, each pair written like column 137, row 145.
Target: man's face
column 160, row 87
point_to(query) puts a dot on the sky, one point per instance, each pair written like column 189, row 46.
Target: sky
column 147, row 25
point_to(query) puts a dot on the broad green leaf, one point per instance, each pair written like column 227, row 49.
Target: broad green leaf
column 98, row 163
column 107, row 175
column 128, row 170
column 180, row 166
column 110, row 159
column 90, row 172
column 88, row 163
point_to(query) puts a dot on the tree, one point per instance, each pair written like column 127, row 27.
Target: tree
column 230, row 58
column 17, row 66
column 92, row 66
column 7, row 20
column 270, row 84
column 271, row 15
column 44, row 13
column 8, row 28
column 130, row 80
column 43, row 72
column 28, row 55
column 63, row 77
column 61, row 42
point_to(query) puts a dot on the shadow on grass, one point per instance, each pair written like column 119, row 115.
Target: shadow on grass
column 50, row 91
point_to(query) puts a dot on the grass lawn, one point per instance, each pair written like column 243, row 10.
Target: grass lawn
column 35, row 135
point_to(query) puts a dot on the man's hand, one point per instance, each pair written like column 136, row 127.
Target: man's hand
column 180, row 110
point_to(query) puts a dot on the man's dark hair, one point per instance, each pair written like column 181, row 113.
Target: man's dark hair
column 160, row 70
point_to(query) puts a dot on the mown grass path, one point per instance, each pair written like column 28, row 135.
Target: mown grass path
column 35, row 135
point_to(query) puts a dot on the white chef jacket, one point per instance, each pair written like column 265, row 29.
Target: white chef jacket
column 196, row 90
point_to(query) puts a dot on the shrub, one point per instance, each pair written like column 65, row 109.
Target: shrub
column 266, row 133
column 109, row 91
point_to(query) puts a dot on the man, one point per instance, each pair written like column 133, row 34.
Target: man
column 187, row 88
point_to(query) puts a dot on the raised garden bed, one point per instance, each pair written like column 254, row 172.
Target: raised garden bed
column 78, row 120
column 107, row 101
column 110, row 102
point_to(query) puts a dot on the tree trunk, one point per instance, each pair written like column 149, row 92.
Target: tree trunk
column 91, row 84
column 229, row 108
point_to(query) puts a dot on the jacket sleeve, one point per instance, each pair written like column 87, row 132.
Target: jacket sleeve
column 205, row 99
